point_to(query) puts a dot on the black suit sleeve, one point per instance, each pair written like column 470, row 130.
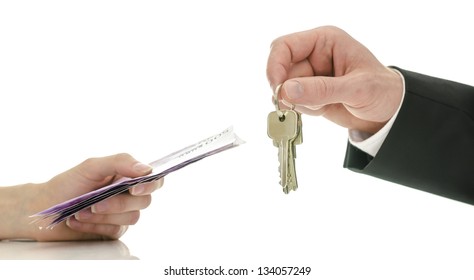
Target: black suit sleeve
column 430, row 146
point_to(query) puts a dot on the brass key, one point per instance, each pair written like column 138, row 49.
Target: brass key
column 293, row 183
column 292, row 180
column 283, row 129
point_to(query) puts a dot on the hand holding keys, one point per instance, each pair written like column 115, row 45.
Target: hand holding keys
column 285, row 128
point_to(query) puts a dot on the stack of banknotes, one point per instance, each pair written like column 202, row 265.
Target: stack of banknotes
column 210, row 146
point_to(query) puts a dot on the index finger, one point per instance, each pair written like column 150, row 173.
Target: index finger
column 291, row 49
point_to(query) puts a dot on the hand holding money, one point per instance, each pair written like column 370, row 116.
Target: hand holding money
column 100, row 197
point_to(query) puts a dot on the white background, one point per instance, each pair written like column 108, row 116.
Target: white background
column 82, row 79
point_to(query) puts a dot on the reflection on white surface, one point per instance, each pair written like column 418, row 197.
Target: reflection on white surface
column 80, row 250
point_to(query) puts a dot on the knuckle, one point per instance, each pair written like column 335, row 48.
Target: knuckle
column 115, row 232
column 121, row 156
column 134, row 217
column 146, row 201
column 88, row 169
column 277, row 41
column 122, row 204
column 88, row 163
column 321, row 90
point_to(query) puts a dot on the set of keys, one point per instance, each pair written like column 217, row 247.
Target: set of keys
column 284, row 127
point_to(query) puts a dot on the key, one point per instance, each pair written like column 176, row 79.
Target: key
column 283, row 130
column 293, row 182
column 299, row 139
column 292, row 156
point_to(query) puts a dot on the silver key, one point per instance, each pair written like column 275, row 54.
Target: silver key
column 283, row 129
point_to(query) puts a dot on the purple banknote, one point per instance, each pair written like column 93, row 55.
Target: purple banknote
column 215, row 144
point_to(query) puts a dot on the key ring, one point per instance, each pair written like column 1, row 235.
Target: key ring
column 276, row 102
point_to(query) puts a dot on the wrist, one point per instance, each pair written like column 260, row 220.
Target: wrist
column 397, row 93
column 13, row 214
column 17, row 204
column 370, row 143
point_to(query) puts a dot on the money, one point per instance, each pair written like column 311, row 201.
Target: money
column 220, row 142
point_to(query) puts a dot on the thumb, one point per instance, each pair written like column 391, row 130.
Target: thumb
column 315, row 92
column 125, row 165
column 120, row 164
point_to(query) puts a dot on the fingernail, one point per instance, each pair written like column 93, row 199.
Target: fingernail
column 72, row 223
column 141, row 167
column 100, row 207
column 83, row 215
column 293, row 89
column 138, row 190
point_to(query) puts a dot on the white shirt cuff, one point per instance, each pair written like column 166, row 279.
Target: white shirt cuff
column 371, row 143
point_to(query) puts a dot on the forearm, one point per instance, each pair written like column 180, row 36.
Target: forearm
column 17, row 203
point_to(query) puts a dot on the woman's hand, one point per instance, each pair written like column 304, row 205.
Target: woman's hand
column 108, row 219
